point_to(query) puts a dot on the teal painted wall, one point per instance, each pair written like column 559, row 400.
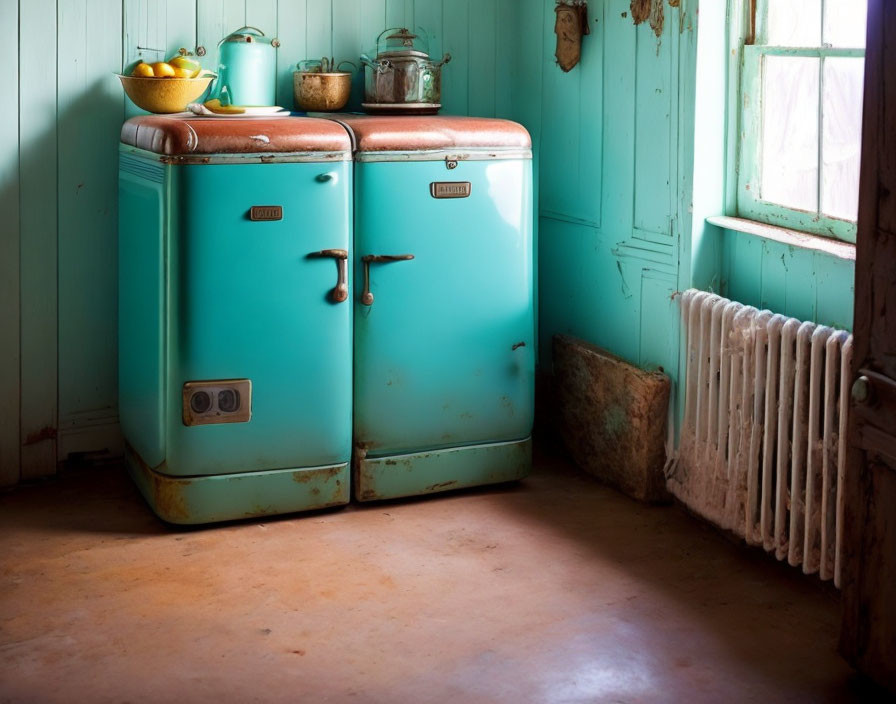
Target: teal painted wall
column 58, row 173
column 610, row 137
column 805, row 284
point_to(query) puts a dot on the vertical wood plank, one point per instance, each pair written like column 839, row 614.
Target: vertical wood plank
column 562, row 126
column 482, row 47
column 398, row 15
column 261, row 14
column 619, row 117
column 653, row 119
column 800, row 283
column 373, row 21
column 350, row 37
column 428, row 18
column 38, row 239
column 506, row 38
column 774, row 276
column 835, row 291
column 89, row 122
column 745, row 272
column 455, row 76
column 291, row 19
column 319, row 28
column 9, row 254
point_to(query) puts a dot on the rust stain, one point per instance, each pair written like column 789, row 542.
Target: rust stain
column 303, row 476
column 441, row 486
column 45, row 433
column 391, row 462
column 169, row 497
column 518, row 345
column 640, row 10
column 657, row 18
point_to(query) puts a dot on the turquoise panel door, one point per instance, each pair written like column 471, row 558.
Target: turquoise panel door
column 444, row 354
column 248, row 302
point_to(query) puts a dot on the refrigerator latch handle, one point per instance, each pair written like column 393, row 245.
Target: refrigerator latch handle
column 339, row 292
column 368, row 259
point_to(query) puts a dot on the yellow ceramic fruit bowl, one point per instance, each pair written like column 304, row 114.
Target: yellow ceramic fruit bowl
column 164, row 95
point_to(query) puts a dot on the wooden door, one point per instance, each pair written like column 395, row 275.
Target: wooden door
column 868, row 638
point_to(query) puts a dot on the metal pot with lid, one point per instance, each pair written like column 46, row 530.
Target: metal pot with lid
column 247, row 68
column 403, row 75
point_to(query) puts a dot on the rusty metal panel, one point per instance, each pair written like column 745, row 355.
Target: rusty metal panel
column 440, row 470
column 226, row 497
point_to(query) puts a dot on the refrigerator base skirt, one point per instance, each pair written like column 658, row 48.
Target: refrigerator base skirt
column 378, row 478
column 227, row 497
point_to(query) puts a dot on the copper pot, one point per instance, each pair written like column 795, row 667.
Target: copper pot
column 317, row 89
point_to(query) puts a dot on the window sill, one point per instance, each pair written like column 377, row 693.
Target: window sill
column 794, row 238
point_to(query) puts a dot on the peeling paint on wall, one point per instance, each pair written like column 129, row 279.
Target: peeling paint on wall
column 640, row 10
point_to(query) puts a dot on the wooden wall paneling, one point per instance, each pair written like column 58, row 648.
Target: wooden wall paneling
column 399, row 13
column 350, row 37
column 655, row 130
column 619, row 119
column 456, row 17
column 800, row 283
column 591, row 108
column 319, row 29
column 835, row 291
column 10, row 441
column 428, row 17
column 774, row 277
column 292, row 18
column 659, row 320
column 261, row 14
column 743, row 276
column 91, row 108
column 483, row 49
column 373, row 21
column 561, row 128
column 38, row 238
column 507, row 36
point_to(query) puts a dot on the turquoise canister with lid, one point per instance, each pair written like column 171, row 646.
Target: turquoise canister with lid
column 247, row 69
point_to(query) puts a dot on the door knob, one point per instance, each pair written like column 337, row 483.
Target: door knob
column 368, row 259
column 339, row 292
column 862, row 391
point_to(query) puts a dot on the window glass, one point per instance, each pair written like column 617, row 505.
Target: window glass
column 844, row 23
column 841, row 142
column 790, row 131
column 794, row 22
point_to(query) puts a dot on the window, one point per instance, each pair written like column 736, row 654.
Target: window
column 801, row 123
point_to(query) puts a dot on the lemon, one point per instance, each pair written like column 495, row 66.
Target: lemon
column 185, row 67
column 142, row 69
column 215, row 106
column 163, row 70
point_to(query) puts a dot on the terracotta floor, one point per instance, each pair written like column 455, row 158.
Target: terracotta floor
column 554, row 590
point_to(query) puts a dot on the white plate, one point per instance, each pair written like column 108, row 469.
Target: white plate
column 266, row 111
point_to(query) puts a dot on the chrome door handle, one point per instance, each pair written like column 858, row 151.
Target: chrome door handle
column 368, row 259
column 339, row 292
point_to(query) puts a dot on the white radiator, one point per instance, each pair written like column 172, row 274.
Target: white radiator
column 762, row 448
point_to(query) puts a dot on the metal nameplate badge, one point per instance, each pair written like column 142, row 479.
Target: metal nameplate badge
column 262, row 213
column 450, row 189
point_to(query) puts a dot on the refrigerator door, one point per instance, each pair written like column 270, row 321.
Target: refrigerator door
column 444, row 342
column 252, row 308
